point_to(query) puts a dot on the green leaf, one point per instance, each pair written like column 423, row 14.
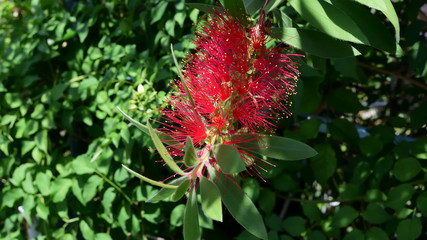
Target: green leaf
column 42, row 210
column 60, row 188
column 267, row 201
column 387, row 9
column 86, row 230
column 252, row 188
column 370, row 146
column 241, row 207
column 375, row 195
column 252, row 6
column 177, row 215
column 165, row 138
column 406, row 168
column 312, row 211
column 143, row 178
column 403, row 213
column 27, row 184
column 28, row 206
column 184, row 83
column 82, row 165
column 316, row 235
column 376, row 33
column 82, row 30
column 11, row 196
column 181, row 190
column 285, row 183
column 409, row 229
column 191, row 218
column 236, row 8
column 89, row 189
column 211, row 199
column 163, row 151
column 375, row 213
column 295, row 225
column 376, row 233
column 19, row 173
column 399, row 195
column 207, row 8
column 324, row 164
column 355, row 234
column 102, row 236
column 166, row 192
column 190, row 156
column 158, row 11
column 43, row 182
column 341, row 19
column 317, row 43
column 344, row 216
column 310, row 128
column 228, row 158
column 421, row 203
column 279, row 148
column 344, row 100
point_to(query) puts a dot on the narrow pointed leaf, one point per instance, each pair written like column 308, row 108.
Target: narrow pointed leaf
column 279, row 148
column 156, row 183
column 211, row 199
column 241, row 207
column 317, row 43
column 207, row 8
column 164, row 193
column 181, row 76
column 236, row 8
column 191, row 218
column 181, row 190
column 165, row 138
column 228, row 158
column 386, row 7
column 137, row 124
column 335, row 18
column 163, row 151
column 190, row 157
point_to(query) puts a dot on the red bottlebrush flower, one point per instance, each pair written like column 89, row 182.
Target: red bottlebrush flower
column 238, row 85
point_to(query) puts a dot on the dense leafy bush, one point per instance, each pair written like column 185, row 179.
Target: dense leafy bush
column 65, row 66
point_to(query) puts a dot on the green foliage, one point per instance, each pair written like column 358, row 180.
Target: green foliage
column 361, row 104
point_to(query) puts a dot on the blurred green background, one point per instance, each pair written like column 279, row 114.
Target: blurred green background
column 361, row 103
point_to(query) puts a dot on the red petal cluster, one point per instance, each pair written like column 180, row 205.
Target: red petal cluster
column 238, row 84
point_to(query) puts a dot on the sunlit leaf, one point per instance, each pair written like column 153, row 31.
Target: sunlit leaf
column 211, row 199
column 164, row 193
column 347, row 21
column 317, row 43
column 165, row 138
column 191, row 218
column 387, row 9
column 228, row 158
column 344, row 216
column 279, row 148
column 190, row 156
column 146, row 179
column 163, row 151
column 241, row 207
column 181, row 190
column 398, row 196
column 406, row 168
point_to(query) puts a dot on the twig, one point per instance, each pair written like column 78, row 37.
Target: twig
column 407, row 79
